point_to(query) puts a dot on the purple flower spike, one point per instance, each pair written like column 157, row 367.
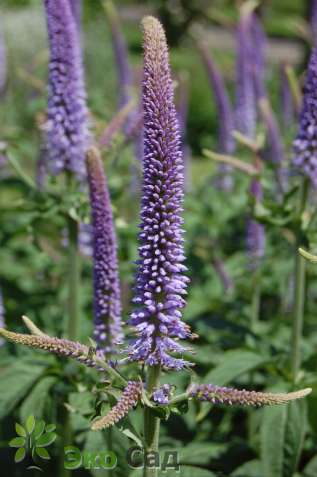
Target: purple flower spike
column 121, row 55
column 258, row 45
column 160, row 282
column 224, row 109
column 221, row 395
column 305, row 144
column 225, row 115
column 245, row 114
column 107, row 303
column 67, row 125
column 127, row 401
column 60, row 347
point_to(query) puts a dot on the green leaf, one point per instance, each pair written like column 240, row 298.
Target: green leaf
column 253, row 468
column 282, row 432
column 19, row 455
column 30, row 424
column 20, row 430
column 38, row 429
column 46, row 439
column 185, row 471
column 233, row 364
column 81, row 402
column 294, row 435
column 50, row 428
column 17, row 442
column 132, row 436
column 311, row 468
column 200, row 453
column 15, row 381
column 41, row 452
column 34, row 404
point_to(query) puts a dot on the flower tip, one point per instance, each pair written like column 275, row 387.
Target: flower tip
column 302, row 393
column 150, row 23
column 92, row 153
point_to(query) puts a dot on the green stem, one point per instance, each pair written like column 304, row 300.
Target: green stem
column 151, row 422
column 109, row 438
column 298, row 314
column 74, row 281
column 66, row 440
column 180, row 398
column 73, row 321
column 112, row 371
column 256, row 300
column 300, row 267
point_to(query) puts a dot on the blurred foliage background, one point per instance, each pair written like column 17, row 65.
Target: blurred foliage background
column 33, row 263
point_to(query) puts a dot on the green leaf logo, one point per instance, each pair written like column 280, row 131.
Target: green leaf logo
column 32, row 439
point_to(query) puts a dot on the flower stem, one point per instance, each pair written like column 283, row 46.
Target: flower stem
column 151, row 422
column 74, row 280
column 298, row 314
column 73, row 320
column 109, row 438
column 66, row 440
column 256, row 299
column 299, row 291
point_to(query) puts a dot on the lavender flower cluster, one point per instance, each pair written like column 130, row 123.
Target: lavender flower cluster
column 160, row 282
column 107, row 300
column 305, row 144
column 67, row 124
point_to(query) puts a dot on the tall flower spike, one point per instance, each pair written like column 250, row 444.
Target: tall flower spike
column 61, row 347
column 67, row 125
column 222, row 395
column 245, row 113
column 258, row 45
column 305, row 144
column 107, row 303
column 160, row 282
column 121, row 55
column 224, row 109
column 225, row 114
column 126, row 402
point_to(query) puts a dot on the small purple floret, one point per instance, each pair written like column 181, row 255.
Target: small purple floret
column 162, row 394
